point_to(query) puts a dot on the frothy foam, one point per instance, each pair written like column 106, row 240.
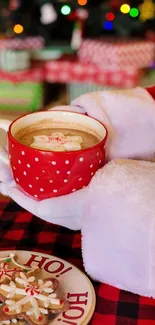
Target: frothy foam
column 57, row 142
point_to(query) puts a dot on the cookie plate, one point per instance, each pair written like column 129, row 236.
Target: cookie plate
column 74, row 285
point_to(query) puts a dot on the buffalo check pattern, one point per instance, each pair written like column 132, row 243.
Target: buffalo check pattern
column 21, row 230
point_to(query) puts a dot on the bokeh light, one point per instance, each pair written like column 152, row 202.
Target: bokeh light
column 125, row 8
column 134, row 12
column 110, row 16
column 18, row 29
column 66, row 10
column 82, row 2
column 108, row 25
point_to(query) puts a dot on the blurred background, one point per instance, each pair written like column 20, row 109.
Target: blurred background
column 52, row 51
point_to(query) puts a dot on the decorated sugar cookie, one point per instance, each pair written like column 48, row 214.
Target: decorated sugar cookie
column 9, row 320
column 32, row 298
column 8, row 266
column 13, row 321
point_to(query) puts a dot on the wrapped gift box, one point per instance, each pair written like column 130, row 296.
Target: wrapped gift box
column 27, row 43
column 34, row 74
column 64, row 71
column 13, row 60
column 51, row 53
column 23, row 97
column 22, row 90
column 104, row 53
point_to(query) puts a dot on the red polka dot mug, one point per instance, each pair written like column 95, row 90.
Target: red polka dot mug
column 45, row 174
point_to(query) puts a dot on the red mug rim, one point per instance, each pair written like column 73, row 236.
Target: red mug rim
column 58, row 152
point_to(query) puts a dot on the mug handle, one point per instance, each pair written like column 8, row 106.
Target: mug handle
column 4, row 125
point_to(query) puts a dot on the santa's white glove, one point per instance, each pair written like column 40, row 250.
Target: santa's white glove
column 116, row 216
column 129, row 116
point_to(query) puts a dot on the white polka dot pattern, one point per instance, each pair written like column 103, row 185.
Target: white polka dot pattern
column 44, row 176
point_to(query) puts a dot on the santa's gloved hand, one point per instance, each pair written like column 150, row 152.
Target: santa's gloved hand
column 129, row 116
column 66, row 210
column 129, row 135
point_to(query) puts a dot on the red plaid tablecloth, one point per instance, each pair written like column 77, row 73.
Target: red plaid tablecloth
column 22, row 231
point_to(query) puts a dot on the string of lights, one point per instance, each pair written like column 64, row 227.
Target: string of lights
column 112, row 14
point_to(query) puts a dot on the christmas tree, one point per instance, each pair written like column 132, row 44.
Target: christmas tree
column 53, row 19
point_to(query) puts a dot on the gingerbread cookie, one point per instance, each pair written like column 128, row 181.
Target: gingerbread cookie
column 32, row 298
column 8, row 266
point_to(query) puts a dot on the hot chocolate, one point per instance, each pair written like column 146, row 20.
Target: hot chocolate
column 56, row 139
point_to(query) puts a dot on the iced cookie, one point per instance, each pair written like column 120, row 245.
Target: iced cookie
column 13, row 321
column 32, row 298
column 9, row 320
column 8, row 266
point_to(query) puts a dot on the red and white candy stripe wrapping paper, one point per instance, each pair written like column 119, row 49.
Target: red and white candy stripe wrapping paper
column 27, row 43
column 35, row 74
column 75, row 71
column 138, row 54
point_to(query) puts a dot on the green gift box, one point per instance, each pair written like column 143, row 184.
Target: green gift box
column 14, row 60
column 25, row 97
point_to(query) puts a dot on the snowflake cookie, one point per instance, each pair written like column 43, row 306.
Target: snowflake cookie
column 13, row 321
column 30, row 298
column 8, row 266
column 9, row 320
